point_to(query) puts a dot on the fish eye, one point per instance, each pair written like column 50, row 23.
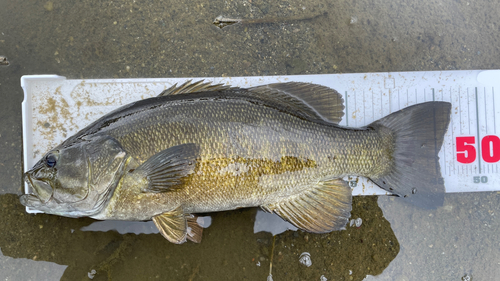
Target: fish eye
column 50, row 160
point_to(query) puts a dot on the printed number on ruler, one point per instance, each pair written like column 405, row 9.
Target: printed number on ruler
column 467, row 153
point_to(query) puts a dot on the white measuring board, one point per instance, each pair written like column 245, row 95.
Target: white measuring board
column 55, row 108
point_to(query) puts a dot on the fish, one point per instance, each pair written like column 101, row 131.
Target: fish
column 199, row 148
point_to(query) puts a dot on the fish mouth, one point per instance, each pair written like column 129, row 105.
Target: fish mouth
column 41, row 191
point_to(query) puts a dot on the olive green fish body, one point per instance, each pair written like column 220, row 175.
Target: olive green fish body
column 249, row 154
column 200, row 148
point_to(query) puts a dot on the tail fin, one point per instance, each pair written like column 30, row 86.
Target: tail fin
column 419, row 131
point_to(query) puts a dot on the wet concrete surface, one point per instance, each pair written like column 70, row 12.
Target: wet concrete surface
column 89, row 39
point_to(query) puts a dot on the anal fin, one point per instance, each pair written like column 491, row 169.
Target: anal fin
column 323, row 208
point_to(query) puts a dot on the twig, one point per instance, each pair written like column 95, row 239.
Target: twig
column 222, row 22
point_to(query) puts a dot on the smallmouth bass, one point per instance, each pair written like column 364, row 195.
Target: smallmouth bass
column 202, row 148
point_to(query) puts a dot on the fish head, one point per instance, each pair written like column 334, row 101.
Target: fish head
column 75, row 180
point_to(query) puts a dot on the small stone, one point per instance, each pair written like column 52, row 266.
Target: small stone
column 305, row 259
column 448, row 208
column 49, row 6
column 91, row 274
column 356, row 222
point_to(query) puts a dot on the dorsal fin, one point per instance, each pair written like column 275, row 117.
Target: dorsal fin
column 195, row 87
column 316, row 101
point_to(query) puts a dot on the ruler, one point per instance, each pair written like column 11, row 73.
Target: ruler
column 55, row 108
column 470, row 155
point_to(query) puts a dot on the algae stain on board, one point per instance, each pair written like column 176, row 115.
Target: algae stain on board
column 53, row 121
column 58, row 114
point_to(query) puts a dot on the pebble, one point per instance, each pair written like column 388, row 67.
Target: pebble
column 91, row 274
column 305, row 259
column 49, row 6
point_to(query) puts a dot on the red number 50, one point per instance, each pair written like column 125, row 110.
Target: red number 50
column 490, row 149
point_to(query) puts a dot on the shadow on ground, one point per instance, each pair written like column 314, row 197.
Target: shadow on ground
column 229, row 250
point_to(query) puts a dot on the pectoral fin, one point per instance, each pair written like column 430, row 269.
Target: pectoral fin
column 169, row 168
column 172, row 225
column 323, row 208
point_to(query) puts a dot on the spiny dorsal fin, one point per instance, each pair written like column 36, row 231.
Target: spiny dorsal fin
column 315, row 100
column 172, row 225
column 322, row 208
column 195, row 87
column 194, row 230
column 167, row 169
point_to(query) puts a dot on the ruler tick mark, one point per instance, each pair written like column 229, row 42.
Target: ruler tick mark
column 478, row 139
column 494, row 111
column 346, row 109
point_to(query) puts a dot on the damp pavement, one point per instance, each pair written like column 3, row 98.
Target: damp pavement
column 149, row 38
